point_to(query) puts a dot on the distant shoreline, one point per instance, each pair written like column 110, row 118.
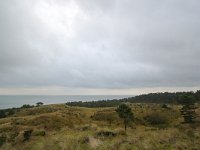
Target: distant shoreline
column 10, row 101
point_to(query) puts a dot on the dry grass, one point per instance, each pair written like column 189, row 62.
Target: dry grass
column 75, row 128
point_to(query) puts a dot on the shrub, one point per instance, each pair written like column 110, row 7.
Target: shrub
column 39, row 133
column 106, row 134
column 27, row 135
column 156, row 118
column 2, row 139
column 27, row 106
column 7, row 112
column 11, row 112
column 165, row 106
column 2, row 114
column 108, row 116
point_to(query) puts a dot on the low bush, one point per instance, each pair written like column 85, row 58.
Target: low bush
column 107, row 116
column 2, row 139
column 106, row 134
column 27, row 106
column 39, row 133
column 27, row 135
column 7, row 112
column 165, row 106
column 2, row 114
column 157, row 118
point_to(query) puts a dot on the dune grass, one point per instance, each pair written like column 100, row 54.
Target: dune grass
column 60, row 127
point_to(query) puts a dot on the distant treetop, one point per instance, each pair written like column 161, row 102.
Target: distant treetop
column 160, row 98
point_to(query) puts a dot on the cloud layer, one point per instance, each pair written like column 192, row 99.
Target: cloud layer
column 99, row 44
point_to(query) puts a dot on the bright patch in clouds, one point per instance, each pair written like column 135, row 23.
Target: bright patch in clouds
column 59, row 19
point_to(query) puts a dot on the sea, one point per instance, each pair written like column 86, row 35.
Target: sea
column 10, row 101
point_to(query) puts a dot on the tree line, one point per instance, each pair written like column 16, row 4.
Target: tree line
column 160, row 98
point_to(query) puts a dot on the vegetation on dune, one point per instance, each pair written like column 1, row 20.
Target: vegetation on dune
column 99, row 128
column 155, row 126
column 10, row 111
column 106, row 115
column 124, row 112
column 160, row 98
column 188, row 108
column 39, row 104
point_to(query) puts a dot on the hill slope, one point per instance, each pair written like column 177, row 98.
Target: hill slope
column 63, row 127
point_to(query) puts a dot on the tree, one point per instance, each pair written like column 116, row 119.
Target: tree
column 39, row 104
column 197, row 94
column 188, row 108
column 27, row 106
column 124, row 112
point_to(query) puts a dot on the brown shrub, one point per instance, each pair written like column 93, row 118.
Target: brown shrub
column 156, row 118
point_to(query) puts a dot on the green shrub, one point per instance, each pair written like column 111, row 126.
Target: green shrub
column 2, row 114
column 7, row 112
column 27, row 106
column 39, row 133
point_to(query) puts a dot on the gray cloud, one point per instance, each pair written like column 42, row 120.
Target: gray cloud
column 99, row 44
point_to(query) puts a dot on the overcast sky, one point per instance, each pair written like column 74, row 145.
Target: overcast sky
column 99, row 46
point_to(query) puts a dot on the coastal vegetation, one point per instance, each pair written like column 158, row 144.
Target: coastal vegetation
column 148, row 126
column 159, row 98
column 125, row 113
